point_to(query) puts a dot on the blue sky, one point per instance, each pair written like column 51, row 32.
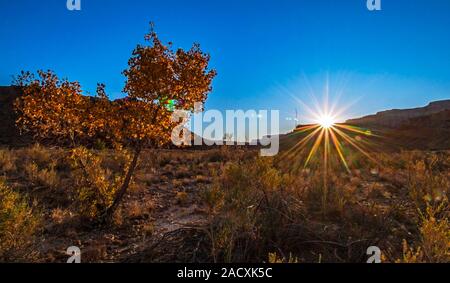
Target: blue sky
column 266, row 52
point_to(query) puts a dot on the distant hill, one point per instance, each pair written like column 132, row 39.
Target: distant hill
column 418, row 128
column 9, row 134
column 396, row 117
column 424, row 132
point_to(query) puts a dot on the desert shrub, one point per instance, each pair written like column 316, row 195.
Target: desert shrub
column 42, row 166
column 434, row 243
column 180, row 172
column 138, row 209
column 114, row 160
column 38, row 154
column 163, row 160
column 47, row 177
column 275, row 258
column 18, row 224
column 95, row 186
column 218, row 155
column 257, row 209
column 356, row 159
column 251, row 205
column 226, row 153
column 7, row 161
column 59, row 215
column 181, row 198
column 326, row 193
column 31, row 171
column 425, row 183
column 99, row 145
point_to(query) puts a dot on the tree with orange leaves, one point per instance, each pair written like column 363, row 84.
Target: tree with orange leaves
column 51, row 108
column 156, row 74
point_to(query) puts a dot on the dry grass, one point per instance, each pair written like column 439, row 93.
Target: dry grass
column 136, row 209
column 7, row 161
column 47, row 177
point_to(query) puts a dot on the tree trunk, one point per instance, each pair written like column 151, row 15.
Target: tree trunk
column 126, row 183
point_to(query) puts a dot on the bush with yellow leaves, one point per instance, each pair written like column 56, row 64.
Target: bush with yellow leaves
column 434, row 245
column 426, row 183
column 95, row 186
column 18, row 225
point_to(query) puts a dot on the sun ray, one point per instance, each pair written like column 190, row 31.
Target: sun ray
column 338, row 146
column 315, row 146
column 357, row 130
column 300, row 145
column 311, row 95
column 354, row 144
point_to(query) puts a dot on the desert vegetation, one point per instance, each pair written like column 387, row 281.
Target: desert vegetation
column 55, row 205
column 402, row 200
column 221, row 205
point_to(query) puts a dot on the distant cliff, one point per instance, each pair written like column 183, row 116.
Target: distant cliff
column 424, row 132
column 9, row 134
column 395, row 118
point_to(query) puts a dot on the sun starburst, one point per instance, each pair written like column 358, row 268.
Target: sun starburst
column 325, row 138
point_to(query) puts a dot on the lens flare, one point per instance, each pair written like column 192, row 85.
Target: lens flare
column 326, row 121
